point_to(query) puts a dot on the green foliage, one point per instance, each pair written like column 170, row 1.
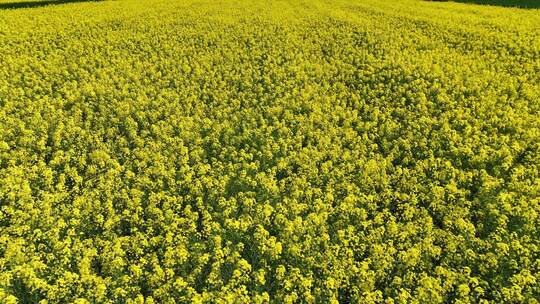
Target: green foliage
column 18, row 4
column 269, row 152
column 509, row 3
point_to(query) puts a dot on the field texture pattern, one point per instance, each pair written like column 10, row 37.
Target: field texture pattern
column 269, row 152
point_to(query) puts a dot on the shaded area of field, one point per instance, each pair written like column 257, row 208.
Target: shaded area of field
column 34, row 4
column 506, row 3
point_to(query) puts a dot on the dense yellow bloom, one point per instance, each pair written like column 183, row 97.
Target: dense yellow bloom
column 180, row 151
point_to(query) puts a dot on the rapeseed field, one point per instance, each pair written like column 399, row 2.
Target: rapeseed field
column 197, row 151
